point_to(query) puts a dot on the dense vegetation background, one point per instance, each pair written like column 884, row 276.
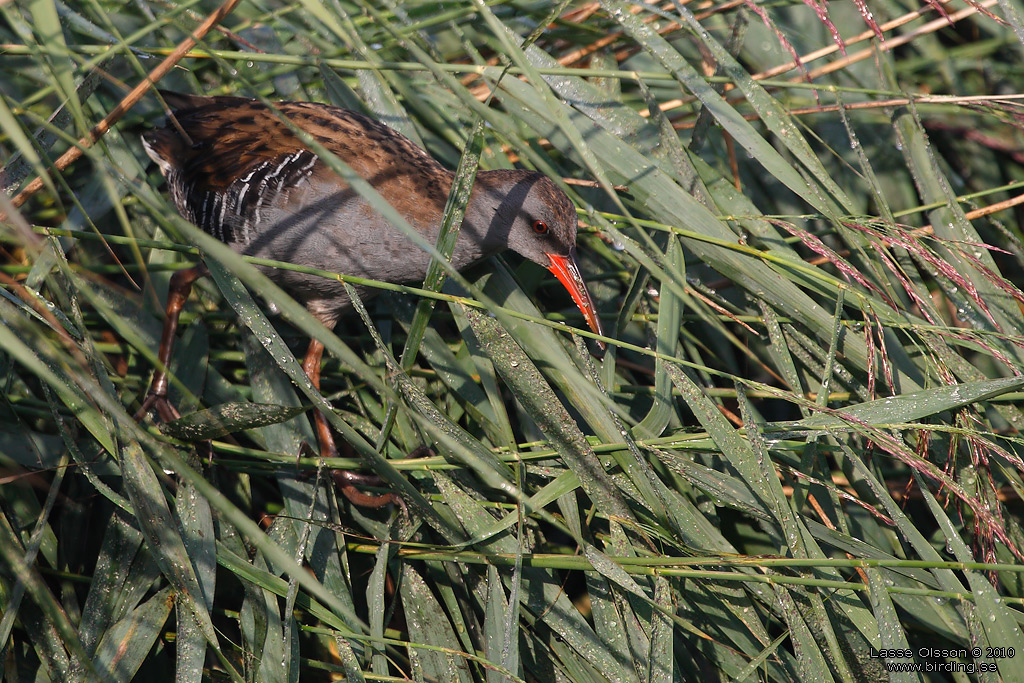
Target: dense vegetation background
column 802, row 229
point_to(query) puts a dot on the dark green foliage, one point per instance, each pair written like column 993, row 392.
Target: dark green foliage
column 801, row 447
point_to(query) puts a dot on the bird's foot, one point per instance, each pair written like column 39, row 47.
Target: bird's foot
column 165, row 410
column 346, row 481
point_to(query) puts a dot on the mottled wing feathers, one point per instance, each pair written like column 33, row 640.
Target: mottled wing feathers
column 227, row 158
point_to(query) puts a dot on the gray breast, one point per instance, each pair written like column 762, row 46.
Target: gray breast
column 323, row 225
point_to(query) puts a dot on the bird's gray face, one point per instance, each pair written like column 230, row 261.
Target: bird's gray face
column 544, row 221
column 544, row 231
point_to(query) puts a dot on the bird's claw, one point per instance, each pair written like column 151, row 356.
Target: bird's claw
column 164, row 409
column 346, row 482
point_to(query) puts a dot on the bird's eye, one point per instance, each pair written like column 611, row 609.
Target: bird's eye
column 540, row 227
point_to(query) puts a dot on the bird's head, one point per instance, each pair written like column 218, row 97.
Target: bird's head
column 541, row 225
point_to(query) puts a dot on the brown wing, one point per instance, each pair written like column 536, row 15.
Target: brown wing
column 227, row 157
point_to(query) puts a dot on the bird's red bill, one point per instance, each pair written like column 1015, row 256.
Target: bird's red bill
column 567, row 270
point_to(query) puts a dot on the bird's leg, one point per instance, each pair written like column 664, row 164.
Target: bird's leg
column 345, row 480
column 180, row 287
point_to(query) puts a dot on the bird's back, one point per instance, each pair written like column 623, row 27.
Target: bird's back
column 232, row 162
column 239, row 172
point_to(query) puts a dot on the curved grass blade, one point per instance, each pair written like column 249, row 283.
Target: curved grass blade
column 125, row 646
column 911, row 407
column 890, row 630
column 228, row 418
column 526, row 381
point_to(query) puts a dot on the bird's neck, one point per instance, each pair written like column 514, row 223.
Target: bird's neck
column 490, row 214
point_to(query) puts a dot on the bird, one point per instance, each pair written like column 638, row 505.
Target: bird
column 238, row 171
